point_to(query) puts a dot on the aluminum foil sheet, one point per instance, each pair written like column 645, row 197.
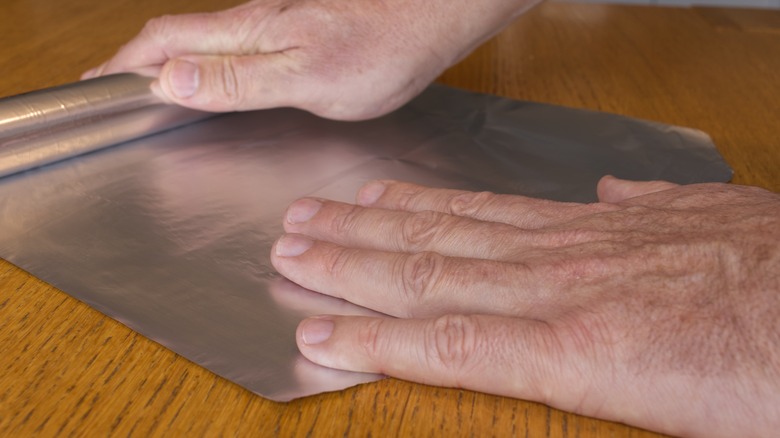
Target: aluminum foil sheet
column 170, row 234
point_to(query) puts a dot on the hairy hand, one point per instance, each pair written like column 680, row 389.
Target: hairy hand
column 341, row 60
column 657, row 306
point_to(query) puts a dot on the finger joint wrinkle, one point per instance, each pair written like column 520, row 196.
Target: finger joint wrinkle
column 421, row 229
column 453, row 343
column 231, row 88
column 345, row 223
column 469, row 204
column 420, row 275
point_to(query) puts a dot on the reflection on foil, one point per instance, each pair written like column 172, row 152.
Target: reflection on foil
column 170, row 234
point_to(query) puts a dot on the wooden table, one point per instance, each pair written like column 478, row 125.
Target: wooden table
column 67, row 370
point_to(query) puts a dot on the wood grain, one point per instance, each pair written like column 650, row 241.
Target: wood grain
column 748, row 20
column 67, row 370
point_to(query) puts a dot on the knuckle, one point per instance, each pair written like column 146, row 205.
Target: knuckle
column 420, row 274
column 157, row 28
column 419, row 230
column 346, row 222
column 470, row 203
column 407, row 197
column 453, row 342
column 370, row 339
column 338, row 262
column 229, row 83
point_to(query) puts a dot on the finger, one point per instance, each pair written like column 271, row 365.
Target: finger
column 412, row 232
column 94, row 72
column 151, row 71
column 417, row 285
column 613, row 190
column 230, row 83
column 505, row 356
column 519, row 211
column 550, row 363
column 172, row 36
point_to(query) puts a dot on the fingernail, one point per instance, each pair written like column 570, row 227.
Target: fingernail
column 292, row 245
column 184, row 79
column 370, row 193
column 316, row 330
column 302, row 210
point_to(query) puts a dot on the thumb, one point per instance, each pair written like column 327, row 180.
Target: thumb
column 497, row 355
column 227, row 83
column 615, row 190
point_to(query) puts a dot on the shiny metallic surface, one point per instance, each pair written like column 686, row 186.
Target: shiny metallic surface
column 46, row 126
column 170, row 234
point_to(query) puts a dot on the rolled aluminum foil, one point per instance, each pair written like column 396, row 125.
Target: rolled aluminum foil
column 46, row 126
column 170, row 234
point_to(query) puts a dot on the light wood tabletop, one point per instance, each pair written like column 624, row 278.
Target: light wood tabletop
column 68, row 370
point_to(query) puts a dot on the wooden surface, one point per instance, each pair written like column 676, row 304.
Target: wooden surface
column 67, row 370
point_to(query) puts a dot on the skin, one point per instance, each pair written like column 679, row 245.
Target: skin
column 339, row 59
column 657, row 306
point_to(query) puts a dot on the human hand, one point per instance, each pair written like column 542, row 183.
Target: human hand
column 657, row 307
column 341, row 60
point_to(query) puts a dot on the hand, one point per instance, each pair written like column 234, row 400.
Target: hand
column 657, row 306
column 343, row 60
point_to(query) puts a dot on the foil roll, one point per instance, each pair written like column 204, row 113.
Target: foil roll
column 55, row 124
